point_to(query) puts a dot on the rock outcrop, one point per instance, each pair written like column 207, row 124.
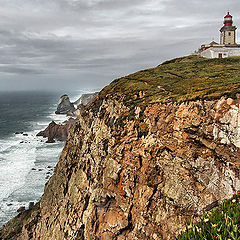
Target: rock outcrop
column 137, row 167
column 64, row 105
column 86, row 99
column 56, row 131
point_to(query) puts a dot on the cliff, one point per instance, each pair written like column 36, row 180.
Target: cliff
column 154, row 149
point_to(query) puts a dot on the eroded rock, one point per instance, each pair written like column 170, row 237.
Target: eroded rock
column 56, row 131
column 64, row 105
column 141, row 176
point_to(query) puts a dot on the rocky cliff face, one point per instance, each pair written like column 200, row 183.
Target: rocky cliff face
column 138, row 171
column 85, row 99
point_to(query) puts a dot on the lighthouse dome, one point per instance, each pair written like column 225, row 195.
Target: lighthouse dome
column 228, row 20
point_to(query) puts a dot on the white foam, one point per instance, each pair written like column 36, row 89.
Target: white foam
column 14, row 171
column 58, row 118
column 43, row 123
column 6, row 144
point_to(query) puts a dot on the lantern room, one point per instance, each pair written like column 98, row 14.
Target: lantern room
column 228, row 20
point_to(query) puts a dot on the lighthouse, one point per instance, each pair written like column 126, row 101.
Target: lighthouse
column 228, row 31
column 228, row 46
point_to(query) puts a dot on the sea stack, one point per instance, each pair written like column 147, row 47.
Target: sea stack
column 56, row 131
column 64, row 105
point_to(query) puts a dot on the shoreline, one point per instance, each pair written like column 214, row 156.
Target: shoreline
column 36, row 162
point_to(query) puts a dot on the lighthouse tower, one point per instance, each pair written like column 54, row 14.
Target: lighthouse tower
column 228, row 31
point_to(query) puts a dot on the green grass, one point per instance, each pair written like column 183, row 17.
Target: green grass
column 181, row 79
column 222, row 224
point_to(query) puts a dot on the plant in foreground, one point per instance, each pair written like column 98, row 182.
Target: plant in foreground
column 222, row 224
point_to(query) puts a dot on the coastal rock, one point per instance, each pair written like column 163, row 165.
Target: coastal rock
column 21, row 209
column 17, row 133
column 56, row 131
column 85, row 99
column 64, row 105
column 30, row 205
column 50, row 140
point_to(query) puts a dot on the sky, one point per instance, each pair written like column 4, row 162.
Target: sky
column 83, row 44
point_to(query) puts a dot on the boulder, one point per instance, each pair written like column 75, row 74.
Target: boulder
column 18, row 133
column 50, row 140
column 21, row 209
column 64, row 105
column 31, row 205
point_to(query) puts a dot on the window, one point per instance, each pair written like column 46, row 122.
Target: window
column 229, row 34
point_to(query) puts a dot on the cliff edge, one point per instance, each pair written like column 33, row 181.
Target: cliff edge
column 154, row 149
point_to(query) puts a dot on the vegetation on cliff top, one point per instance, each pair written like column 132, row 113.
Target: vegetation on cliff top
column 224, row 223
column 181, row 79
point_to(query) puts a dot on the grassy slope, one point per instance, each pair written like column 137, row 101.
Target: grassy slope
column 181, row 79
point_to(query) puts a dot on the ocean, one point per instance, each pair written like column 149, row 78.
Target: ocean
column 26, row 161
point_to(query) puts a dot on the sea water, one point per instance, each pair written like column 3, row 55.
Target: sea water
column 26, row 161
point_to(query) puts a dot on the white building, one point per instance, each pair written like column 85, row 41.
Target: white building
column 227, row 47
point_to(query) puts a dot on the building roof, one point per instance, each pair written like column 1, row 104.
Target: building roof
column 228, row 15
column 213, row 43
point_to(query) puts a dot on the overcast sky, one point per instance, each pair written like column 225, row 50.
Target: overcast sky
column 75, row 44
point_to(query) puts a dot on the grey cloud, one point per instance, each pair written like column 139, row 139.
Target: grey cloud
column 19, row 70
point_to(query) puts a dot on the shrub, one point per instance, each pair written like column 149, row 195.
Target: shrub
column 222, row 224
